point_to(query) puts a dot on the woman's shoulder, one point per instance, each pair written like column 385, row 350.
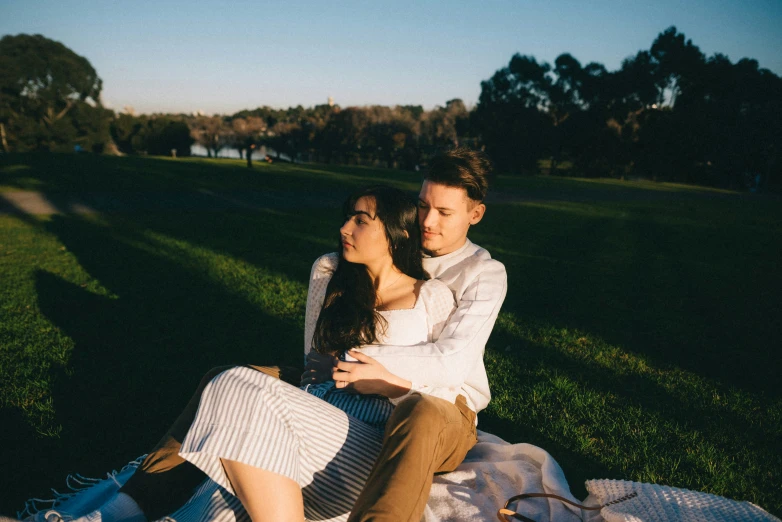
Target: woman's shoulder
column 324, row 266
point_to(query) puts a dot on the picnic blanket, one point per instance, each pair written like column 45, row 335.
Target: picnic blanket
column 492, row 472
column 656, row 503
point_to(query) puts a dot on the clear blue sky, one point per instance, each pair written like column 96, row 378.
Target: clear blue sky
column 173, row 56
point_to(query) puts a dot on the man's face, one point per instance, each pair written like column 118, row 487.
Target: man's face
column 445, row 215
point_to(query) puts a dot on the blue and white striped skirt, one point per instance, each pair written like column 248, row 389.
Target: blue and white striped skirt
column 250, row 417
column 369, row 409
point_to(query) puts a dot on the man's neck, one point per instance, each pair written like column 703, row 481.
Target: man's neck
column 440, row 253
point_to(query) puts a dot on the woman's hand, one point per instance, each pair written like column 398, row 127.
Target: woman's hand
column 368, row 376
column 318, row 368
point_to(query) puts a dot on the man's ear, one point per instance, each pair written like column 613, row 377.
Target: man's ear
column 477, row 212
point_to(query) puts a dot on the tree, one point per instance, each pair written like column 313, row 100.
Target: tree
column 312, row 124
column 440, row 125
column 41, row 83
column 677, row 62
column 511, row 113
column 248, row 133
column 165, row 134
column 211, row 132
column 344, row 133
column 284, row 138
column 124, row 129
column 731, row 118
column 565, row 101
column 157, row 135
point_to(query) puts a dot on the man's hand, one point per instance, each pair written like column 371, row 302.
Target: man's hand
column 318, row 368
column 368, row 376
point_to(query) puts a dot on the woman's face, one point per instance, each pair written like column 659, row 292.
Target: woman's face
column 363, row 235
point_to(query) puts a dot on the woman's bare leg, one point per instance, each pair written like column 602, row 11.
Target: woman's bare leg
column 266, row 496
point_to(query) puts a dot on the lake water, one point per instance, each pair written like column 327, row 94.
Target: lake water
column 199, row 150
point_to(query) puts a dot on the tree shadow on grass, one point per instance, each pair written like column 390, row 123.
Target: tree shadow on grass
column 138, row 352
column 85, row 173
column 284, row 242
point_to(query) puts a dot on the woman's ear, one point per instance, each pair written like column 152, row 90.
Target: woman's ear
column 406, row 233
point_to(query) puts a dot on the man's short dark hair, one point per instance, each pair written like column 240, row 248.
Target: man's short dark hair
column 462, row 168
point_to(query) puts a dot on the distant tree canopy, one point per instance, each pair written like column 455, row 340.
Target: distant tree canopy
column 668, row 113
column 400, row 136
column 49, row 97
column 211, row 132
column 157, row 135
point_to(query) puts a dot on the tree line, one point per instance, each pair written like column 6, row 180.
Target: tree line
column 400, row 136
column 668, row 113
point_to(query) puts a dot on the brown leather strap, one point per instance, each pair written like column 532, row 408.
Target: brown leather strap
column 504, row 512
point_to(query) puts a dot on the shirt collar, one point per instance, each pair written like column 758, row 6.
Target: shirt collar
column 450, row 255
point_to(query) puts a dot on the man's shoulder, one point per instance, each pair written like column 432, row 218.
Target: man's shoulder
column 470, row 265
column 324, row 265
column 435, row 287
column 479, row 252
column 480, row 259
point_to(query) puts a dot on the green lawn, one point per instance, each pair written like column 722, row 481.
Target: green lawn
column 639, row 339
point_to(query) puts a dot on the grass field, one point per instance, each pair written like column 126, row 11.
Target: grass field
column 639, row 339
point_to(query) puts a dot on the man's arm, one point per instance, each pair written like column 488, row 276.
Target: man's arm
column 447, row 362
column 320, row 275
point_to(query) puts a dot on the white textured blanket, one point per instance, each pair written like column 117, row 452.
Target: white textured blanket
column 494, row 471
column 656, row 503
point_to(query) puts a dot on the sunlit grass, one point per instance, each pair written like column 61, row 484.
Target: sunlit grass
column 30, row 346
column 643, row 184
column 606, row 185
column 272, row 292
column 641, row 421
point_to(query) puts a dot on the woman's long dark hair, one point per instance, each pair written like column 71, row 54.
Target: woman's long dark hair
column 348, row 318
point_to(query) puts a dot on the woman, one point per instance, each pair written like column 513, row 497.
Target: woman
column 287, row 453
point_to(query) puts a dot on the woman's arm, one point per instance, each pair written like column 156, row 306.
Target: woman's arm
column 369, row 376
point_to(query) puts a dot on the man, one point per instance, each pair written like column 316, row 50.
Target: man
column 433, row 425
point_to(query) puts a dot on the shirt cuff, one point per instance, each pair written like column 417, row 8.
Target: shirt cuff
column 414, row 388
